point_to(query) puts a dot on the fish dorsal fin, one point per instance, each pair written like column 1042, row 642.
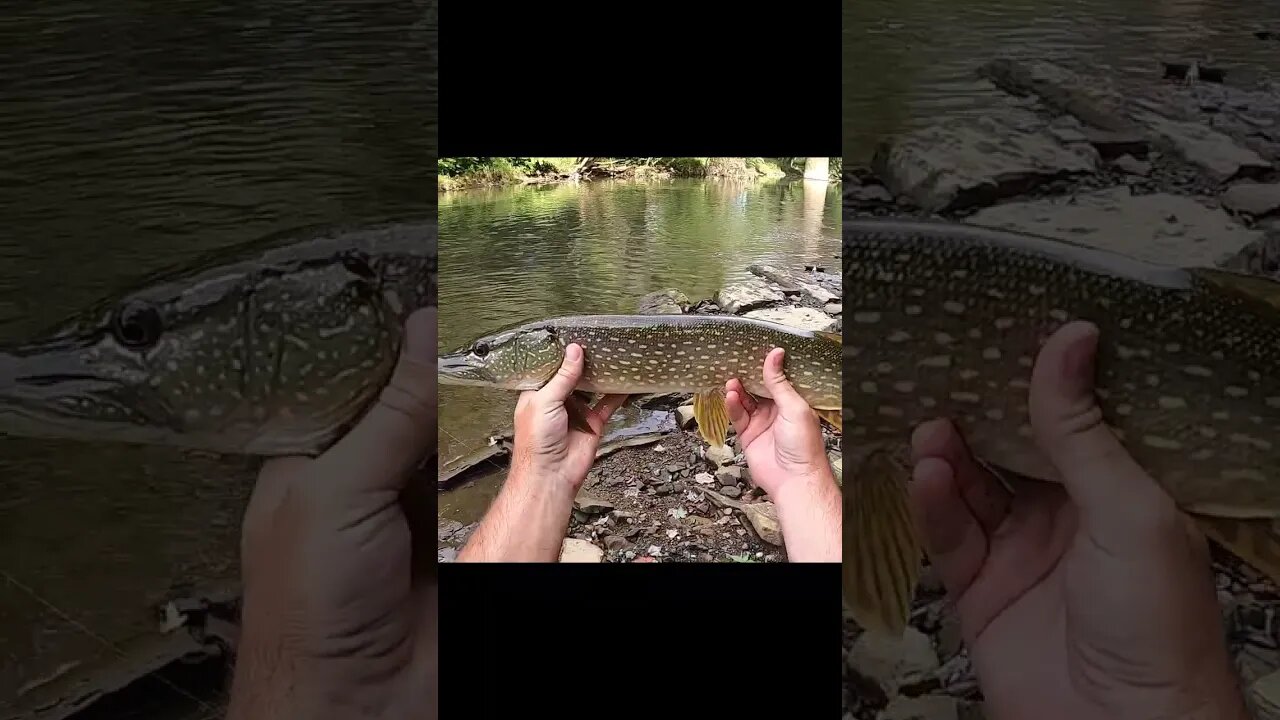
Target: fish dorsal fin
column 1258, row 287
column 882, row 553
column 836, row 338
column 712, row 415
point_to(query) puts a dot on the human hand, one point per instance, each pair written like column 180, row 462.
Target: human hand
column 1093, row 599
column 780, row 437
column 782, row 441
column 546, row 446
column 338, row 555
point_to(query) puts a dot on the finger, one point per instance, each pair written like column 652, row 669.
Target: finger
column 749, row 402
column 604, row 409
column 780, row 389
column 954, row 540
column 400, row 429
column 1101, row 477
column 566, row 378
column 986, row 498
column 738, row 414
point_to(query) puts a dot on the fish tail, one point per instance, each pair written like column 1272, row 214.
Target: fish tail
column 882, row 555
column 1255, row 541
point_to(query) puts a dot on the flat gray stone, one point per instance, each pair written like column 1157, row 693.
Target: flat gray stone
column 889, row 662
column 1257, row 199
column 746, row 295
column 1216, row 154
column 664, row 302
column 975, row 161
column 1160, row 228
column 802, row 318
column 1132, row 165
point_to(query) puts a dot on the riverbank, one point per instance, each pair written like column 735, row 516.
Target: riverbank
column 665, row 495
column 468, row 173
column 1176, row 173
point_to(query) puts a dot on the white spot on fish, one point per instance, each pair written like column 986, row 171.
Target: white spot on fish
column 1202, row 454
column 884, row 368
column 968, row 374
column 936, row 361
column 995, row 414
column 1026, row 361
column 866, row 318
column 1207, row 431
column 1197, row 371
column 953, row 307
column 898, row 336
column 913, row 309
column 1243, row 474
column 1004, row 323
column 943, row 338
column 1059, row 315
column 991, row 353
column 1124, row 409
column 1236, row 391
column 975, row 333
column 1036, row 289
column 1172, row 347
column 1243, row 439
column 1171, row 403
column 1162, row 443
column 890, row 411
column 966, row 397
column 904, row 386
column 928, row 402
column 867, row 386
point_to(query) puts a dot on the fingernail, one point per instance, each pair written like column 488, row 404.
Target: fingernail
column 573, row 352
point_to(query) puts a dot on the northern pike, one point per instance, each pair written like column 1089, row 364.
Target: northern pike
column 947, row 320
column 643, row 354
column 275, row 352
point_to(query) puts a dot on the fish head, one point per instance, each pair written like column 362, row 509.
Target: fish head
column 521, row 358
column 246, row 363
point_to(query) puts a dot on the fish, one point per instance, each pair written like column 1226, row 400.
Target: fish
column 647, row 354
column 276, row 348
column 946, row 320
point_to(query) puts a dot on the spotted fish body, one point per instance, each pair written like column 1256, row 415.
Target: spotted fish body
column 640, row 354
column 274, row 352
column 948, row 320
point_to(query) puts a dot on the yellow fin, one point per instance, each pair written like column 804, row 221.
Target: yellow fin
column 836, row 338
column 834, row 418
column 882, row 555
column 1258, row 287
column 1254, row 541
column 712, row 415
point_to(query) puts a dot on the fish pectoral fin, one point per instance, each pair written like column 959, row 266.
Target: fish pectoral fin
column 882, row 554
column 834, row 418
column 836, row 338
column 587, row 398
column 712, row 414
column 1255, row 541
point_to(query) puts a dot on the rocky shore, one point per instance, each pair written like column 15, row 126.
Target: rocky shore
column 666, row 496
column 1157, row 169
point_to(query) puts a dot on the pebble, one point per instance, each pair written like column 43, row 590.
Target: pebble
column 925, row 707
column 665, row 489
column 731, row 491
column 890, row 662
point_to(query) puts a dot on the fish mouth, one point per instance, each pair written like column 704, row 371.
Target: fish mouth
column 458, row 368
column 47, row 391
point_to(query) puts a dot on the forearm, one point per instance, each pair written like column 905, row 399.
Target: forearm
column 525, row 523
column 810, row 514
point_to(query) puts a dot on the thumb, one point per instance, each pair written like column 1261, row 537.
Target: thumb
column 399, row 431
column 561, row 385
column 780, row 389
column 1101, row 477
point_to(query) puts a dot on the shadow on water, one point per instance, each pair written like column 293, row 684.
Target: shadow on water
column 137, row 138
column 517, row 254
column 909, row 62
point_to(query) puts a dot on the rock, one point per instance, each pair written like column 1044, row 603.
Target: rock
column 731, row 491
column 1114, row 145
column 925, row 707
column 1132, row 165
column 665, row 489
column 1262, row 256
column 1264, row 694
column 615, row 543
column 1164, row 228
column 950, row 641
column 833, row 308
column 1216, row 154
column 684, row 416
column 869, row 195
column 719, row 454
column 704, row 479
column 802, row 318
column 590, row 505
column 746, row 295
column 582, row 551
column 447, row 554
column 674, row 468
column 890, row 662
column 729, row 475
column 836, row 460
column 1257, row 199
column 664, row 302
column 679, row 486
column 971, row 711
column 764, row 520
column 446, row 529
column 974, row 161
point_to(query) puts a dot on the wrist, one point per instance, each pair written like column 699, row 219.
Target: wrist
column 805, row 486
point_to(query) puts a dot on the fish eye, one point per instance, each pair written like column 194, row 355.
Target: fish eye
column 137, row 325
column 480, row 350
